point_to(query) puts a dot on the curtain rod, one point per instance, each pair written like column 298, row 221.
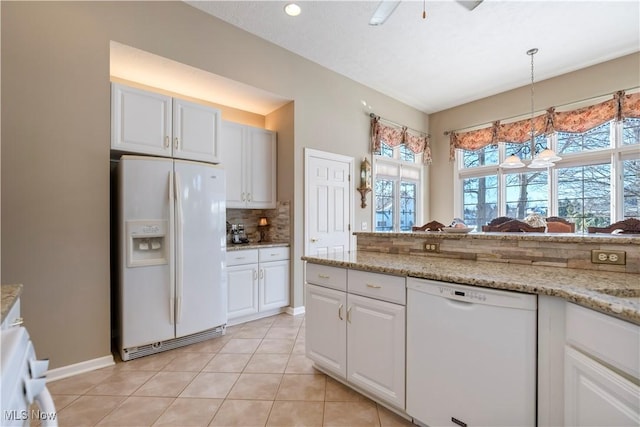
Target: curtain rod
column 485, row 124
column 374, row 116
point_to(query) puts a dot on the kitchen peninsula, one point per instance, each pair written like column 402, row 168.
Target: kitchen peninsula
column 411, row 318
column 554, row 265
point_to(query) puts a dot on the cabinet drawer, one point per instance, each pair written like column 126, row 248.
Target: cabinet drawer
column 330, row 277
column 376, row 285
column 247, row 256
column 273, row 254
column 611, row 340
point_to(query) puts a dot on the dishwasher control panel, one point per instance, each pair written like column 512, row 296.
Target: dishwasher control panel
column 474, row 294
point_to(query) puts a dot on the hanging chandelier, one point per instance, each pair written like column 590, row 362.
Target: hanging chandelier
column 547, row 157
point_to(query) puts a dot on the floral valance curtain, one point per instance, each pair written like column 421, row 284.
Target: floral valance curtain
column 622, row 106
column 394, row 136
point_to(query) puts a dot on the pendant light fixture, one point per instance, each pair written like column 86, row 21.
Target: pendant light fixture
column 547, row 157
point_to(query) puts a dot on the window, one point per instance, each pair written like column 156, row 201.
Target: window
column 597, row 182
column 397, row 189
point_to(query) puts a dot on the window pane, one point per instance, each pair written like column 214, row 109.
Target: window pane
column 631, row 185
column 594, row 139
column 385, row 150
column 631, row 131
column 384, row 204
column 407, row 205
column 584, row 194
column 480, row 200
column 485, row 156
column 406, row 154
column 527, row 193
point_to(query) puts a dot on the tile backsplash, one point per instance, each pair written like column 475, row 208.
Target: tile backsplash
column 279, row 219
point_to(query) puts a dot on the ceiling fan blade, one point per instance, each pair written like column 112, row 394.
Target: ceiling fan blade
column 470, row 4
column 384, row 10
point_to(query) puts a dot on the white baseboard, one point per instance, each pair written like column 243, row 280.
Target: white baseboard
column 295, row 311
column 79, row 368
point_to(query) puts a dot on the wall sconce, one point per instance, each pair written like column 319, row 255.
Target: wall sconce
column 365, row 181
column 263, row 223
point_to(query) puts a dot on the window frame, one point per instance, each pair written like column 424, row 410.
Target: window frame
column 400, row 164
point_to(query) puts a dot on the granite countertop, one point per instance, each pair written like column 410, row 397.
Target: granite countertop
column 600, row 238
column 10, row 294
column 617, row 294
column 238, row 247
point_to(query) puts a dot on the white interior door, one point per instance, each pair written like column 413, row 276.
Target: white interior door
column 327, row 202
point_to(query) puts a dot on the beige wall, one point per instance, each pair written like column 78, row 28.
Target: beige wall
column 605, row 78
column 55, row 133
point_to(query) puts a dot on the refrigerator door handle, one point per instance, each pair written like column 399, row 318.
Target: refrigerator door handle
column 179, row 245
column 172, row 283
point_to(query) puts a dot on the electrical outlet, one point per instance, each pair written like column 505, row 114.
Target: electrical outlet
column 599, row 256
column 432, row 247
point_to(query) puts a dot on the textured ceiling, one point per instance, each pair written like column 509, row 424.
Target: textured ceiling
column 455, row 55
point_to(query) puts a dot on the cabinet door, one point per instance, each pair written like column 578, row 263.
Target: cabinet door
column 140, row 121
column 242, row 282
column 196, row 131
column 274, row 285
column 261, row 170
column 376, row 347
column 326, row 329
column 232, row 159
column 597, row 396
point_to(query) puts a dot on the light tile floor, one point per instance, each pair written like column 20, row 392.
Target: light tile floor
column 255, row 375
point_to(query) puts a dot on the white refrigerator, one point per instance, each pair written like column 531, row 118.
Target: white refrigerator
column 172, row 244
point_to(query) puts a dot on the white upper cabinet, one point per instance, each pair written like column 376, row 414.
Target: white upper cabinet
column 150, row 123
column 249, row 157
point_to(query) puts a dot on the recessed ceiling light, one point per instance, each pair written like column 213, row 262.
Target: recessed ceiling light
column 292, row 9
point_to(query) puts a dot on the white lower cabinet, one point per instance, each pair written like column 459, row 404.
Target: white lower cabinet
column 258, row 283
column 358, row 338
column 13, row 317
column 601, row 369
column 596, row 395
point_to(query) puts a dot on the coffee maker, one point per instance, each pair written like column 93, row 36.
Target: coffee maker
column 238, row 235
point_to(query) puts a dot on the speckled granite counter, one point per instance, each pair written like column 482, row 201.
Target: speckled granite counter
column 231, row 247
column 609, row 292
column 10, row 294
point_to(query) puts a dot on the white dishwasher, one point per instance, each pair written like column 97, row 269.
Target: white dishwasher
column 471, row 355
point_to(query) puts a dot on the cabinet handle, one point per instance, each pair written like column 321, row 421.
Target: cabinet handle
column 176, row 143
column 166, row 141
column 243, row 198
column 255, row 274
column 340, row 312
column 313, row 240
column 248, row 197
column 240, row 257
column 369, row 285
column 273, row 255
column 349, row 314
column 261, row 273
column 322, row 276
column 17, row 322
